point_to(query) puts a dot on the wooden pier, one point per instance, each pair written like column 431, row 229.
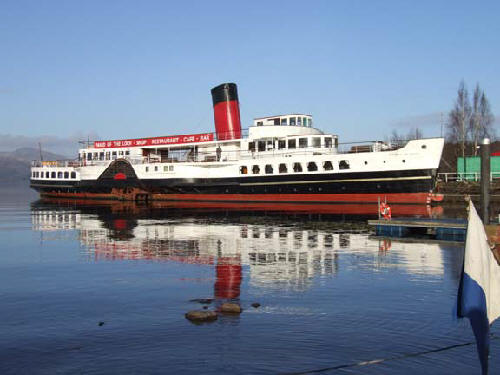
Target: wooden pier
column 443, row 230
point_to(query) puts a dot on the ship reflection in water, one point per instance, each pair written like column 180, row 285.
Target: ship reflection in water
column 330, row 293
column 280, row 251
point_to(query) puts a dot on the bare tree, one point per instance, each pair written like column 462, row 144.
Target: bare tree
column 481, row 121
column 415, row 133
column 397, row 139
column 459, row 118
column 486, row 119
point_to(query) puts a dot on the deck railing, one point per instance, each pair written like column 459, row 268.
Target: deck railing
column 228, row 155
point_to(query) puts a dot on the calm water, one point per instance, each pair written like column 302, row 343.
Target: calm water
column 330, row 294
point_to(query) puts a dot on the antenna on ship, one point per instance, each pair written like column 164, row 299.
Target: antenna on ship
column 40, row 148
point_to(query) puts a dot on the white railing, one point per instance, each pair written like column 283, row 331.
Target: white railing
column 450, row 177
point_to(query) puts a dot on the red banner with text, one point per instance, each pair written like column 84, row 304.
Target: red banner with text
column 156, row 141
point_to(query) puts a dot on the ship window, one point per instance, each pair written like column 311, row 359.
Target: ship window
column 101, row 156
column 297, row 167
column 171, row 168
column 127, row 152
column 147, row 169
column 66, row 174
column 310, row 122
column 36, row 174
column 292, row 143
column 156, row 168
column 292, row 121
column 283, row 121
column 260, row 123
column 312, row 167
column 276, row 121
column 281, row 144
column 96, row 156
column 304, row 121
column 255, row 169
column 269, row 169
column 344, row 164
column 165, row 168
column 120, row 153
column 336, row 142
column 33, row 174
column 113, row 154
column 328, row 142
column 283, row 168
column 299, row 121
column 302, row 142
column 316, row 142
column 107, row 155
column 251, row 146
column 53, row 175
column 59, row 175
column 47, row 174
column 262, row 145
column 328, row 166
column 73, row 174
column 243, row 169
column 89, row 156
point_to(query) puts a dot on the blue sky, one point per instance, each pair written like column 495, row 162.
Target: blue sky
column 122, row 69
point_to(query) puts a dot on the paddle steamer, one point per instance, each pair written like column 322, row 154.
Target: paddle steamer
column 281, row 158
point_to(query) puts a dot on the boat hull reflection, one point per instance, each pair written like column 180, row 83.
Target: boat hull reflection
column 366, row 210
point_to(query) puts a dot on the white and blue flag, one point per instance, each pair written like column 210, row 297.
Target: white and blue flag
column 479, row 290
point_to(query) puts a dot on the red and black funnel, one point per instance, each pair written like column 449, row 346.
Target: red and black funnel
column 226, row 111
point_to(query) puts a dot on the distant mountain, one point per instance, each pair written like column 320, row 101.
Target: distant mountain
column 15, row 165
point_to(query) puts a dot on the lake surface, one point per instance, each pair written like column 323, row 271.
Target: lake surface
column 96, row 289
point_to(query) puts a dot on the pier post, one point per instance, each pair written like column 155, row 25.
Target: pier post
column 485, row 181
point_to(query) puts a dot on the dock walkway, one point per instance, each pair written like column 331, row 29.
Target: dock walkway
column 445, row 230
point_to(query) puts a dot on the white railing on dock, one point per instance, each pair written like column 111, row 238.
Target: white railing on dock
column 462, row 177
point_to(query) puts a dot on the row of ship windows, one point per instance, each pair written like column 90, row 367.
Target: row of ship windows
column 53, row 175
column 297, row 167
column 166, row 168
column 103, row 155
column 291, row 143
column 292, row 121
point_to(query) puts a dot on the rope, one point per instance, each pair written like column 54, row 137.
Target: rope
column 380, row 360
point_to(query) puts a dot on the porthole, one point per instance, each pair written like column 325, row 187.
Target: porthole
column 404, row 161
column 424, row 146
column 366, row 162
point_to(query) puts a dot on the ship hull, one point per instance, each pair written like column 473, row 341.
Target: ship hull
column 406, row 186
